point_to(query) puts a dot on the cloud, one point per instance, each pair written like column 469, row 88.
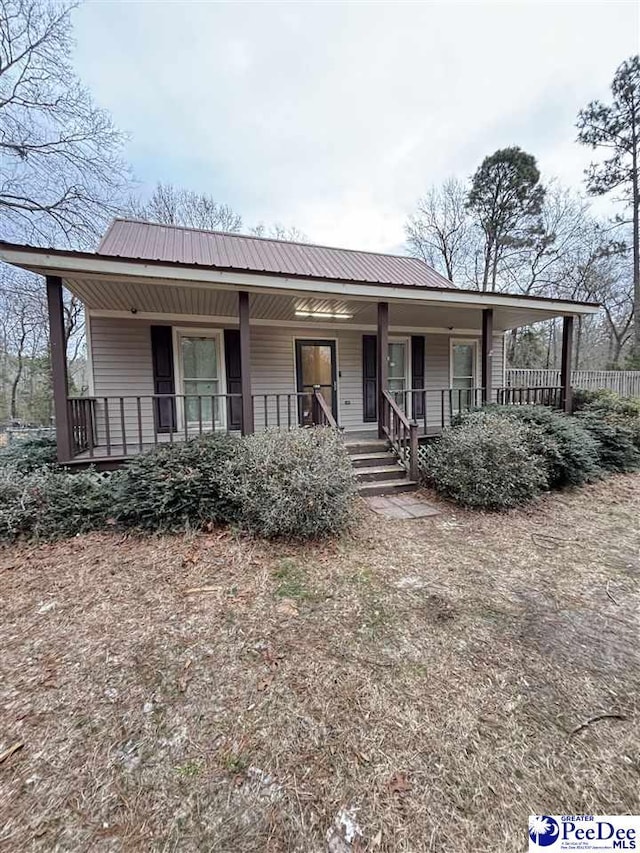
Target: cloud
column 335, row 117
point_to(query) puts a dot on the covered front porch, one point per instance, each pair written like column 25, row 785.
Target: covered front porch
column 251, row 361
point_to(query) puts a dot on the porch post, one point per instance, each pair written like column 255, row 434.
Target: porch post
column 382, row 360
column 487, row 355
column 59, row 367
column 565, row 366
column 245, row 363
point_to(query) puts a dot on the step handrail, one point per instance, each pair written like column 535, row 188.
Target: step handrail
column 402, row 434
column 325, row 414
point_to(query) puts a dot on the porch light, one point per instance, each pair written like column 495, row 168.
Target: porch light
column 324, row 315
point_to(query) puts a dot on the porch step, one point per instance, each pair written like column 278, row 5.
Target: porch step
column 380, row 472
column 386, row 487
column 362, row 447
column 377, row 470
column 367, row 460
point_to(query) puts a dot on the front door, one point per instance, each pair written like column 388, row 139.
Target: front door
column 315, row 367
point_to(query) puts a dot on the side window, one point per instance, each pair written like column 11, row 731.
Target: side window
column 463, row 372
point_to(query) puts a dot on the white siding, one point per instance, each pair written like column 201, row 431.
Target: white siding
column 122, row 367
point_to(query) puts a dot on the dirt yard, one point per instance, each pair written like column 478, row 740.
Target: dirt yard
column 425, row 684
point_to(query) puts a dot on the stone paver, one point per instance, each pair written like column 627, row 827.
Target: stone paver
column 402, row 507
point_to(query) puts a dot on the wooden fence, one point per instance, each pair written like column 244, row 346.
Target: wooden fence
column 624, row 382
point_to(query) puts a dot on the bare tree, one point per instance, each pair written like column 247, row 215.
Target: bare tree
column 439, row 231
column 24, row 328
column 61, row 173
column 279, row 232
column 171, row 205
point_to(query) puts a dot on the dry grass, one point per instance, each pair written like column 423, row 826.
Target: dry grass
column 427, row 674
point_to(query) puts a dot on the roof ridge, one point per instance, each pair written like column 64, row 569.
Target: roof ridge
column 264, row 239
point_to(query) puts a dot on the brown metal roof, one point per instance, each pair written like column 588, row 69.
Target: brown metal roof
column 128, row 238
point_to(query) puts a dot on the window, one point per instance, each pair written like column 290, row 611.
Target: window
column 463, row 373
column 397, row 368
column 201, row 377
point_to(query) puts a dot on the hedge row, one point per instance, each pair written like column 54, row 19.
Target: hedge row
column 501, row 457
column 277, row 484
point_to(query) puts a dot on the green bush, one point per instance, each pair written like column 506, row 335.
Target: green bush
column 28, row 454
column 612, row 408
column 50, row 503
column 604, row 400
column 566, row 449
column 297, row 484
column 176, row 486
column 616, row 450
column 485, row 462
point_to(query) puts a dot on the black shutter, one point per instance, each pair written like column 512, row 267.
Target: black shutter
column 234, row 377
column 369, row 379
column 163, row 377
column 417, row 373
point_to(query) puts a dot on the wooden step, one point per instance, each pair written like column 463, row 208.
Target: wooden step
column 367, row 460
column 380, row 472
column 374, row 445
column 387, row 487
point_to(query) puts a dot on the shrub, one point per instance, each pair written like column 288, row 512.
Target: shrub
column 611, row 407
column 485, row 462
column 616, row 450
column 28, row 454
column 604, row 400
column 50, row 503
column 567, row 451
column 176, row 486
column 297, row 484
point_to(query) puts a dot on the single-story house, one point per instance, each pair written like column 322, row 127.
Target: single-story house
column 191, row 331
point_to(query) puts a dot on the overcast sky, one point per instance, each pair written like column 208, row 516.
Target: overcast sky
column 336, row 117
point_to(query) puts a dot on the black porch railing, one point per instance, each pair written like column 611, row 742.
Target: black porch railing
column 117, row 427
column 433, row 409
column 82, row 423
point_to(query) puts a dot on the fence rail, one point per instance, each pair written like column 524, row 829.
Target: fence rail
column 624, row 382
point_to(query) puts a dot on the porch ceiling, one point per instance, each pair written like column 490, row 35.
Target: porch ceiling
column 140, row 298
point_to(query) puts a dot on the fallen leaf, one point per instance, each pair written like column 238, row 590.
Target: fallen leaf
column 399, row 784
column 376, row 841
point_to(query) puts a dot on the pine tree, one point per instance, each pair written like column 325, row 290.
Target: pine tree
column 616, row 127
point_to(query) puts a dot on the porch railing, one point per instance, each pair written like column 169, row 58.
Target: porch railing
column 402, row 434
column 322, row 414
column 283, row 410
column 82, row 420
column 538, row 395
column 120, row 426
column 109, row 427
column 433, row 409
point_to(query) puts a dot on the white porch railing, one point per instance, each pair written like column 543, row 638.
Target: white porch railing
column 624, row 382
